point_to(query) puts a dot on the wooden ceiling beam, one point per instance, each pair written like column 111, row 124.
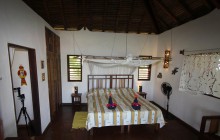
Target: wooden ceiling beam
column 167, row 11
column 84, row 14
column 47, row 12
column 208, row 4
column 79, row 7
column 62, row 14
column 167, row 27
column 149, row 9
column 140, row 23
column 89, row 16
column 116, row 19
column 216, row 3
column 104, row 15
column 187, row 9
column 129, row 18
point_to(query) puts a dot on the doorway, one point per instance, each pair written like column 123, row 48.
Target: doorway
column 25, row 89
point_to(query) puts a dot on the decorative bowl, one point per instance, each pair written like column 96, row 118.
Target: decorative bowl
column 136, row 107
column 111, row 106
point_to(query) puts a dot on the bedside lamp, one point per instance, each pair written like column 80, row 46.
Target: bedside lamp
column 140, row 88
column 76, row 89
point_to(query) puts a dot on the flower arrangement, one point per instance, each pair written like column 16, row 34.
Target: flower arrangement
column 135, row 105
column 110, row 104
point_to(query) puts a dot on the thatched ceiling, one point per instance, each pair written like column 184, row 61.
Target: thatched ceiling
column 136, row 16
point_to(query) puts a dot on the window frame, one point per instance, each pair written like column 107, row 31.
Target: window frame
column 149, row 73
column 68, row 68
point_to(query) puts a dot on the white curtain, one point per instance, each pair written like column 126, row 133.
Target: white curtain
column 201, row 74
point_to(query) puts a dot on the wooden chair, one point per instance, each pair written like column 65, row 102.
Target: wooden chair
column 213, row 127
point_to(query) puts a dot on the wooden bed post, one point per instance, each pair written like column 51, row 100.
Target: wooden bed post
column 88, row 83
column 122, row 129
column 110, row 81
column 132, row 81
column 91, row 132
column 157, row 127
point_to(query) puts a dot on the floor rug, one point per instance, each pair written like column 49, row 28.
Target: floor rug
column 79, row 120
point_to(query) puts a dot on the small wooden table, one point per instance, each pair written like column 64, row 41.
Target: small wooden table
column 143, row 94
column 76, row 100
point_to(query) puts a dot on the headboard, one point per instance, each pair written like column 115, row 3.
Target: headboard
column 110, row 81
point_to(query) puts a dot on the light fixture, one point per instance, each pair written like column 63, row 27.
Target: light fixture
column 140, row 88
column 166, row 59
column 76, row 89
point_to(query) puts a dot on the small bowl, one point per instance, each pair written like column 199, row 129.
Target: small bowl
column 113, row 106
column 136, row 107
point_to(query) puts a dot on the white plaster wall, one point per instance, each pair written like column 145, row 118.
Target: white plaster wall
column 200, row 34
column 103, row 44
column 20, row 25
column 21, row 58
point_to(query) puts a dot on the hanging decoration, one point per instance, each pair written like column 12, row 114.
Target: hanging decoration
column 159, row 75
column 175, row 70
column 22, row 74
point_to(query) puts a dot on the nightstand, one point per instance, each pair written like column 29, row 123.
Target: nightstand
column 143, row 94
column 76, row 100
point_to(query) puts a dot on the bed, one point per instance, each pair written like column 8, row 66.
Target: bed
column 121, row 89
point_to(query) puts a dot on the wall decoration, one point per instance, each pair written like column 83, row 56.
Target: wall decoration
column 175, row 70
column 159, row 75
column 200, row 74
column 42, row 64
column 22, row 74
column 43, row 76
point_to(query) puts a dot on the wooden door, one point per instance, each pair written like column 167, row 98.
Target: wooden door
column 54, row 71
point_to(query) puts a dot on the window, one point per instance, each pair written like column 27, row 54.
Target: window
column 74, row 68
column 144, row 73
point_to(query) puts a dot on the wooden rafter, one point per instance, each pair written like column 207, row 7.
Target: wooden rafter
column 187, row 9
column 104, row 14
column 116, row 20
column 90, row 16
column 208, row 4
column 78, row 14
column 140, row 23
column 216, row 3
column 161, row 20
column 84, row 14
column 129, row 18
column 168, row 12
column 148, row 6
column 47, row 11
column 62, row 14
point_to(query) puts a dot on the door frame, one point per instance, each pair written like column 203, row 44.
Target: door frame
column 34, row 85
